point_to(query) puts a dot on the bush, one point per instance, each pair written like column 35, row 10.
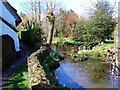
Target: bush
column 31, row 36
column 84, row 55
column 19, row 33
column 95, row 54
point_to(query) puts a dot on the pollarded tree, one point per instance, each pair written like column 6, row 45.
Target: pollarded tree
column 51, row 22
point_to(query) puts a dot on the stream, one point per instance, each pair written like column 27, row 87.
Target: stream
column 84, row 74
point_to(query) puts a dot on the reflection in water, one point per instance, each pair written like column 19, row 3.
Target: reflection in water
column 65, row 78
column 87, row 74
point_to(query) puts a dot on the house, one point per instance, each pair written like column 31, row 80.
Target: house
column 9, row 19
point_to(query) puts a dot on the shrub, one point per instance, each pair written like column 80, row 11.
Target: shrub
column 95, row 54
column 84, row 55
column 19, row 33
column 31, row 36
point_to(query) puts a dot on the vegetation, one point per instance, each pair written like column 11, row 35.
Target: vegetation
column 100, row 25
column 86, row 32
column 31, row 36
column 50, row 62
column 70, row 29
column 59, row 24
column 64, row 41
column 97, row 53
column 19, row 79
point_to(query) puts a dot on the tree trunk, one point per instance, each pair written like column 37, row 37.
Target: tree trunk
column 50, row 35
column 39, row 13
column 51, row 20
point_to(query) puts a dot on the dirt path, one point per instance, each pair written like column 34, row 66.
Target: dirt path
column 19, row 60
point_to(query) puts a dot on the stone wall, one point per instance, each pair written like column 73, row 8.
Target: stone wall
column 37, row 76
column 41, row 67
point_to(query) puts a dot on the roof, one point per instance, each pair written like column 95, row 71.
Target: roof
column 13, row 11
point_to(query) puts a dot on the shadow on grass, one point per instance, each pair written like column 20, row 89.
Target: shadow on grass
column 19, row 79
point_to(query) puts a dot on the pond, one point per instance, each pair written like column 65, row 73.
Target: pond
column 84, row 74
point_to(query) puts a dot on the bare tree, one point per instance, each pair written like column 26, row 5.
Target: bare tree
column 39, row 12
column 51, row 19
column 33, row 10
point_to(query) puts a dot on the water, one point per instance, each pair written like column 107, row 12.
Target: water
column 86, row 74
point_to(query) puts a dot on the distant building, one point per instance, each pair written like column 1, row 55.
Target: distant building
column 9, row 19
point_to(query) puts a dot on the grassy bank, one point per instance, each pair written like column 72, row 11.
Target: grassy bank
column 64, row 41
column 99, row 52
column 19, row 79
column 49, row 60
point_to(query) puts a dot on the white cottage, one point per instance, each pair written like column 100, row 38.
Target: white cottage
column 9, row 19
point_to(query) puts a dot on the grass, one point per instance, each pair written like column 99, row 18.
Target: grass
column 97, row 53
column 105, row 46
column 109, row 41
column 64, row 41
column 19, row 79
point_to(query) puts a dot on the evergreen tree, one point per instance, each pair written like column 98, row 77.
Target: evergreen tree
column 98, row 27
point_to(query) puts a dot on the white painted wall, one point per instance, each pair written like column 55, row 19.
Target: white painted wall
column 7, row 15
column 7, row 30
column 4, row 29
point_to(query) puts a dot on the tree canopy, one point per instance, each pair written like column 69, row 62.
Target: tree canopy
column 100, row 25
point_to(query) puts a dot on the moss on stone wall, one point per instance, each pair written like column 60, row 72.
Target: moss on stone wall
column 42, row 64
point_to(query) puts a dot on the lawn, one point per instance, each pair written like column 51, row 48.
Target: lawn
column 105, row 46
column 19, row 79
column 97, row 53
column 64, row 41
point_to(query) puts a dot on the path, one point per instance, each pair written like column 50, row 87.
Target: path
column 19, row 60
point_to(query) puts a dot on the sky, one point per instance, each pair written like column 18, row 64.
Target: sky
column 81, row 7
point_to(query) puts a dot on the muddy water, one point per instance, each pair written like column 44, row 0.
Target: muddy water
column 86, row 74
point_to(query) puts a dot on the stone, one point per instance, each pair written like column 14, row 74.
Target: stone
column 36, row 72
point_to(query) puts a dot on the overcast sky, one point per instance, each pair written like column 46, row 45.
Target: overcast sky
column 79, row 6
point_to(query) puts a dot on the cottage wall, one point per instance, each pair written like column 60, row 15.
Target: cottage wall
column 5, row 13
column 7, row 30
column 4, row 29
